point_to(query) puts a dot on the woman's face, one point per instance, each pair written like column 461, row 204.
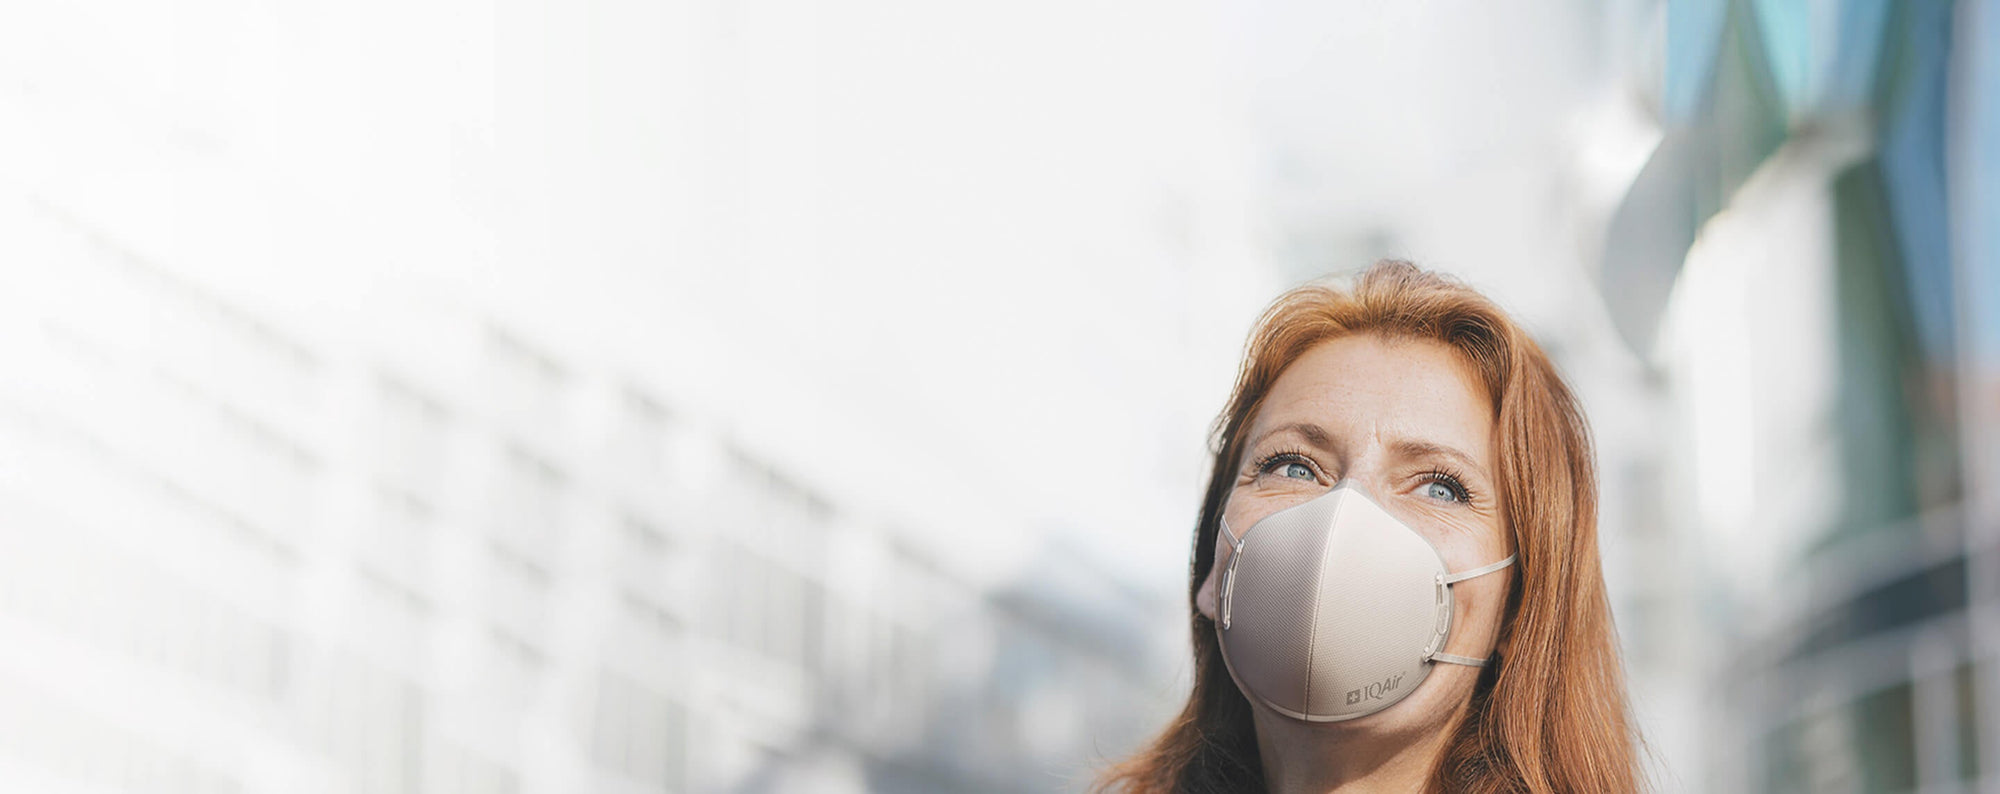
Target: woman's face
column 1409, row 421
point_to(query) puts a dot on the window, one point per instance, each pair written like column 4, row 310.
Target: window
column 640, row 439
column 525, row 385
column 647, row 617
column 368, row 720
column 410, row 436
column 527, row 502
column 395, row 540
column 454, row 770
column 638, row 733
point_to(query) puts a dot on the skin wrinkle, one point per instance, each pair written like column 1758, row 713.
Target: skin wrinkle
column 1381, row 412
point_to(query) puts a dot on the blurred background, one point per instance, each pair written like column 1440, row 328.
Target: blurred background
column 784, row 396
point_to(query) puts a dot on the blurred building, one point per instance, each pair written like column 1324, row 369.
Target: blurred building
column 389, row 400
column 1808, row 258
column 251, row 552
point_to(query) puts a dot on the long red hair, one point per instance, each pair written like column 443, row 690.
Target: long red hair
column 1551, row 715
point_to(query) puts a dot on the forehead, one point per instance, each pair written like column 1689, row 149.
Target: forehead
column 1390, row 387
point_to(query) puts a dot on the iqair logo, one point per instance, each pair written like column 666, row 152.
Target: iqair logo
column 1376, row 690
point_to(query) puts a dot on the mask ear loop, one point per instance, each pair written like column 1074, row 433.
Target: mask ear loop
column 1229, row 574
column 1454, row 659
column 1451, row 579
column 1454, row 578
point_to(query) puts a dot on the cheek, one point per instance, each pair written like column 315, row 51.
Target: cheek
column 1464, row 540
column 1477, row 607
column 1477, row 603
column 1208, row 598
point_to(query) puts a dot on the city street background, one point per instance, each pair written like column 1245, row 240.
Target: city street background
column 534, row 397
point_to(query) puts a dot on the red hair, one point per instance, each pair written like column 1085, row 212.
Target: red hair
column 1549, row 717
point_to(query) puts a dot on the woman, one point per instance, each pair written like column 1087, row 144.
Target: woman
column 1396, row 584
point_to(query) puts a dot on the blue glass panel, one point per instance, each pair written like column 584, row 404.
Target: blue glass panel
column 1787, row 30
column 1860, row 40
column 1694, row 28
column 1912, row 157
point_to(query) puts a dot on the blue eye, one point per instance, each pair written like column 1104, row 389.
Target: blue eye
column 1289, row 465
column 1444, row 487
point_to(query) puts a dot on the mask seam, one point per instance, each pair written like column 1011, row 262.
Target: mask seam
column 1312, row 634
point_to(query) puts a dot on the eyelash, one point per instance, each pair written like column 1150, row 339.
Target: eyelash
column 1440, row 475
column 1450, row 480
column 1272, row 460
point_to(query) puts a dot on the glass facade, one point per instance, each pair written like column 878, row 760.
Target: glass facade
column 1854, row 659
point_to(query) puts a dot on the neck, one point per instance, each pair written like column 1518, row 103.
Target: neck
column 1307, row 758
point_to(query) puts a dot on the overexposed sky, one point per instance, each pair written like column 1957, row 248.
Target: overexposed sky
column 925, row 256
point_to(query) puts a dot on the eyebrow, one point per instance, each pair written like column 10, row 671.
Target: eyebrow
column 1408, row 448
column 1425, row 449
column 1314, row 434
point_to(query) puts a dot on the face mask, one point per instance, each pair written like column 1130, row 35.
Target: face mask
column 1333, row 609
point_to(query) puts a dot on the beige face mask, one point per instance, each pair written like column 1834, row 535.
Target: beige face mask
column 1333, row 609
